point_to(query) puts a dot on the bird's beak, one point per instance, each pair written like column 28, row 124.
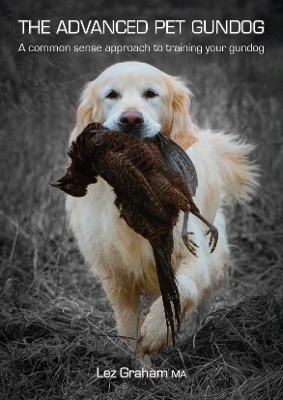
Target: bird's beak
column 56, row 184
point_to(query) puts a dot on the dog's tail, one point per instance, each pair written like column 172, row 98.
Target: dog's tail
column 225, row 157
column 239, row 174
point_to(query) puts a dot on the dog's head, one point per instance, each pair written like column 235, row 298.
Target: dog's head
column 138, row 98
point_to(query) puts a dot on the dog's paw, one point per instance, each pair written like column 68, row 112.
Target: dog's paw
column 143, row 362
column 153, row 333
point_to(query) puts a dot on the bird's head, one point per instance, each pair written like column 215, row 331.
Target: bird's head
column 74, row 183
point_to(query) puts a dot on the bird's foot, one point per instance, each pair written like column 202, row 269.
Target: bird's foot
column 213, row 232
column 190, row 244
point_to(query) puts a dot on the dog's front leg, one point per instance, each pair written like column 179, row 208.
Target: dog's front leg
column 124, row 296
column 193, row 279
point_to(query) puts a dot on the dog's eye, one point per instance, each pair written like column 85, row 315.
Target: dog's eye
column 112, row 94
column 150, row 94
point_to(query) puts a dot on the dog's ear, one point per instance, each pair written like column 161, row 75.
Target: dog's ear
column 181, row 127
column 87, row 111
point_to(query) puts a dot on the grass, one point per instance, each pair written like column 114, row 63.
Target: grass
column 56, row 324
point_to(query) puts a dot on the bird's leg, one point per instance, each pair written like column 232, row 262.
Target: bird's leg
column 212, row 231
column 191, row 246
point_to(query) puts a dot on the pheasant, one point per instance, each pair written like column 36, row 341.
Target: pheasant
column 153, row 180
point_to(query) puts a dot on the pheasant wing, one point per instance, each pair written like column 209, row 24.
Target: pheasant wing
column 177, row 159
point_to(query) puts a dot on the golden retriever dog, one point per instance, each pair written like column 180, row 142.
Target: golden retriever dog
column 137, row 97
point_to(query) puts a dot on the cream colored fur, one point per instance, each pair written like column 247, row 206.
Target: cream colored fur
column 123, row 260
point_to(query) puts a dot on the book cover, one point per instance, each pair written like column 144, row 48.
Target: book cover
column 58, row 331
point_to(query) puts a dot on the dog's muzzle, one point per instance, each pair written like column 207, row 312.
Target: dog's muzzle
column 131, row 122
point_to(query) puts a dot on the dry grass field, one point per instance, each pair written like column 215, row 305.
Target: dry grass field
column 56, row 326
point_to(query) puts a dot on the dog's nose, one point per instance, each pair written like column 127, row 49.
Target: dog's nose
column 131, row 119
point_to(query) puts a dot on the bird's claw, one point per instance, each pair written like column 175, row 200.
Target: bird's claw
column 190, row 244
column 213, row 239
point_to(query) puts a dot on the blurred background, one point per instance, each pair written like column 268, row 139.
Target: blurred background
column 39, row 93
